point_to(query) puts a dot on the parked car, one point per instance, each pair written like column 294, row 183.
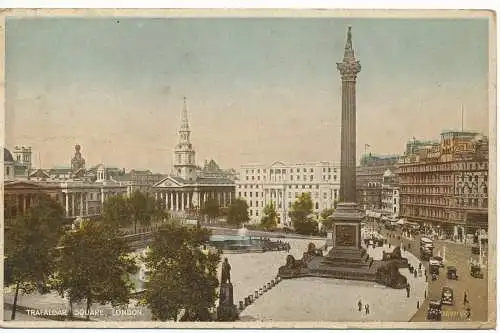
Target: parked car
column 447, row 296
column 434, row 311
column 475, row 271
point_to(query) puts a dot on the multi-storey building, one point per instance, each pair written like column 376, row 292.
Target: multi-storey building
column 443, row 182
column 369, row 175
column 282, row 183
column 390, row 194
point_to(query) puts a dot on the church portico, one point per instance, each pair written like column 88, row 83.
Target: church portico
column 178, row 197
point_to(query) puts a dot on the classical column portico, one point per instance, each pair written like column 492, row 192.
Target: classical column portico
column 67, row 204
column 73, row 202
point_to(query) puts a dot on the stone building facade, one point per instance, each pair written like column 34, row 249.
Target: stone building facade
column 282, row 183
column 441, row 182
column 81, row 192
column 369, row 177
column 390, row 194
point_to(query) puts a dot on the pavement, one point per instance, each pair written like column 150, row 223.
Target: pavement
column 322, row 299
column 457, row 254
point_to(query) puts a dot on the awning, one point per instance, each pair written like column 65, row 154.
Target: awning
column 477, row 220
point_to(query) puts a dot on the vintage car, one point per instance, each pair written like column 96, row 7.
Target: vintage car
column 434, row 311
column 452, row 273
column 435, row 260
column 434, row 269
column 475, row 271
column 447, row 296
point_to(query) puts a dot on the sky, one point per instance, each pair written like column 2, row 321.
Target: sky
column 258, row 90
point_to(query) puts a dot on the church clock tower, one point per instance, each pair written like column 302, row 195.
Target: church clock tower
column 184, row 155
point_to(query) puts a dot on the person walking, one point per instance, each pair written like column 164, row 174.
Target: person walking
column 466, row 301
column 367, row 309
column 360, row 306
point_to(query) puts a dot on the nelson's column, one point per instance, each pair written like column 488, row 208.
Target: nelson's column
column 347, row 217
column 346, row 259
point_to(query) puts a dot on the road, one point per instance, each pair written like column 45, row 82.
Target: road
column 456, row 255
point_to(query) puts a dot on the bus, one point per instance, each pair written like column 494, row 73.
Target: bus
column 426, row 247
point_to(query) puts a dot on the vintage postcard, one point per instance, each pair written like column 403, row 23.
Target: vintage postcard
column 249, row 168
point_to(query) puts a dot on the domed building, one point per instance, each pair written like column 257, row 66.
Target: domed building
column 8, row 166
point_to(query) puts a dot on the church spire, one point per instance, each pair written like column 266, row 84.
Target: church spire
column 184, row 120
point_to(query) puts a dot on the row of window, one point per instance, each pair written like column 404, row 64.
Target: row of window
column 283, row 171
column 292, row 178
column 445, row 167
column 296, row 194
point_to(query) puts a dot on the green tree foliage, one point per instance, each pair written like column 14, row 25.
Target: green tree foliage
column 145, row 209
column 137, row 210
column 301, row 215
column 183, row 279
column 116, row 211
column 327, row 222
column 211, row 208
column 270, row 218
column 238, row 213
column 94, row 266
column 30, row 240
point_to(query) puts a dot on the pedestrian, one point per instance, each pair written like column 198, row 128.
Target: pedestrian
column 415, row 273
column 418, row 305
column 360, row 306
column 367, row 309
column 465, row 298
column 419, row 265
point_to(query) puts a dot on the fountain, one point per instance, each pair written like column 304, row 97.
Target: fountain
column 243, row 243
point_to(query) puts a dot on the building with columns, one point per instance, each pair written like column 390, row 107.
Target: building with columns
column 188, row 187
column 81, row 193
column 282, row 183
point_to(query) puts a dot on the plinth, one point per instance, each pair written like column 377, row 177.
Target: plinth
column 347, row 259
column 226, row 311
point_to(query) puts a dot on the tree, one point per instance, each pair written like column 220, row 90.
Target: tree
column 138, row 209
column 211, row 209
column 94, row 266
column 302, row 215
column 238, row 212
column 30, row 240
column 144, row 210
column 270, row 218
column 117, row 211
column 183, row 279
column 326, row 221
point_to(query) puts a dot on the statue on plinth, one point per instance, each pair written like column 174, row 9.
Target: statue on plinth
column 395, row 256
column 226, row 311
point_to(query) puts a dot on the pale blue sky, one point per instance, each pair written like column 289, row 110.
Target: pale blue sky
column 258, row 90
